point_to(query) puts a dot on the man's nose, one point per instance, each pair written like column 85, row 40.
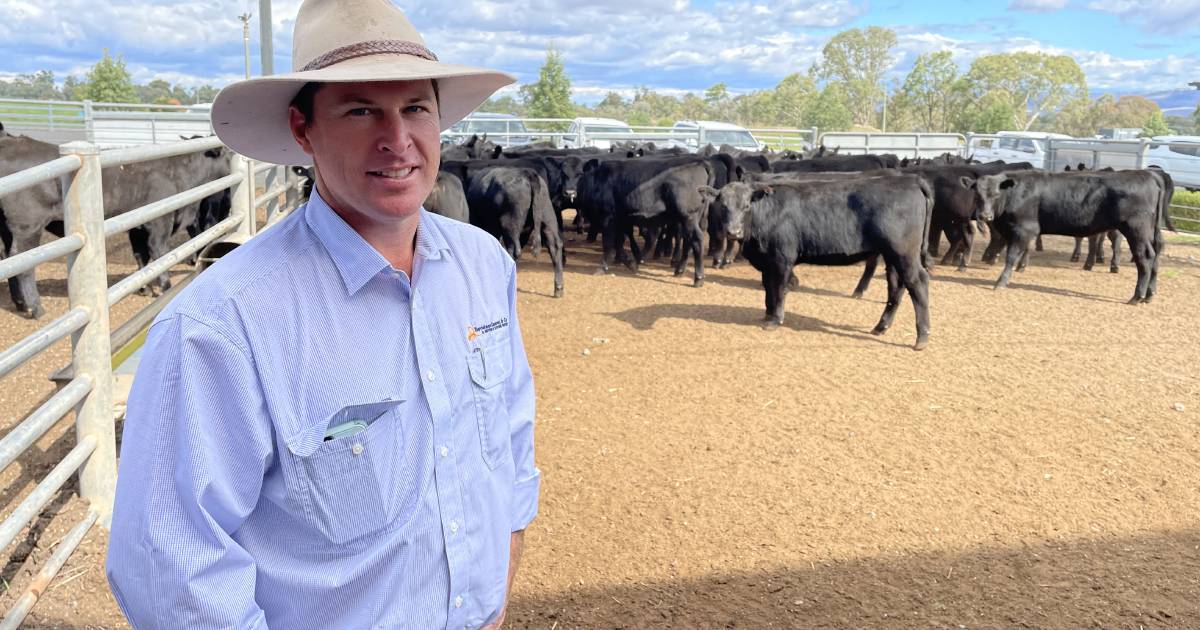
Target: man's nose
column 394, row 134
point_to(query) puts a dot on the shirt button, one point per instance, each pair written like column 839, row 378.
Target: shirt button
column 454, row 527
column 429, row 375
column 458, row 601
column 357, row 449
column 444, row 451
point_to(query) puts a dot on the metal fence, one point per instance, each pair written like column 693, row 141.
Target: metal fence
column 905, row 145
column 107, row 125
column 89, row 391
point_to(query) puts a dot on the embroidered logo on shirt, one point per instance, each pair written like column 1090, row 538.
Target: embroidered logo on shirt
column 474, row 332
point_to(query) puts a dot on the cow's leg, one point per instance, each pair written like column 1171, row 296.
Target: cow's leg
column 895, row 292
column 1039, row 243
column 865, row 280
column 695, row 236
column 609, row 246
column 159, row 248
column 1092, row 254
column 1159, row 246
column 953, row 236
column 1114, row 263
column 1024, row 260
column 935, row 237
column 679, row 250
column 1078, row 249
column 916, row 280
column 635, row 259
column 718, row 250
column 554, row 244
column 1099, row 243
column 1143, row 257
column 968, row 247
column 1018, row 246
column 775, row 279
column 23, row 286
column 995, row 246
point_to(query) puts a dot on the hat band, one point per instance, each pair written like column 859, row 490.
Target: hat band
column 373, row 47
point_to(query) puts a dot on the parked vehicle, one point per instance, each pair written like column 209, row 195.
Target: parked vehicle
column 1180, row 158
column 505, row 130
column 594, row 132
column 1014, row 146
column 717, row 134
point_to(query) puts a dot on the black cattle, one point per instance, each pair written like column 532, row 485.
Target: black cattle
column 654, row 192
column 448, row 198
column 1083, row 204
column 835, row 163
column 843, row 222
column 310, row 179
column 957, row 203
column 31, row 211
column 506, row 201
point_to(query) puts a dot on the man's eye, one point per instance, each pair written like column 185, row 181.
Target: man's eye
column 417, row 108
column 359, row 111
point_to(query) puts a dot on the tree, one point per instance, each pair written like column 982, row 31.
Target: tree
column 1132, row 111
column 109, row 82
column 38, row 86
column 156, row 91
column 1036, row 83
column 719, row 102
column 928, row 91
column 789, row 99
column 857, row 59
column 204, row 94
column 828, row 111
column 1155, row 125
column 73, row 88
column 550, row 96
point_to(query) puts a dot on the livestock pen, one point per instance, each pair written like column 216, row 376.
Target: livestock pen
column 88, row 388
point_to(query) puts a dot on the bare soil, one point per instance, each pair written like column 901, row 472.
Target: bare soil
column 1037, row 467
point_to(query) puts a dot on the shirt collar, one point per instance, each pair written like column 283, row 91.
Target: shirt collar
column 356, row 261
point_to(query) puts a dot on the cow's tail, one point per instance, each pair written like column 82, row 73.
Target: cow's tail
column 1168, row 186
column 928, row 192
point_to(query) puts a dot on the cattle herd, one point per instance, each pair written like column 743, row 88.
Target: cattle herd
column 775, row 210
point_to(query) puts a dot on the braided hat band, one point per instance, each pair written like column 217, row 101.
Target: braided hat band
column 373, row 47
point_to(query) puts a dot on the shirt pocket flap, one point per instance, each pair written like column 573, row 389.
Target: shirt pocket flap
column 308, row 440
column 490, row 363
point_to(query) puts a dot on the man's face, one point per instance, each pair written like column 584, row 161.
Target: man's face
column 376, row 148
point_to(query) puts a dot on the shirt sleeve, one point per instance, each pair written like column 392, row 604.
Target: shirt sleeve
column 521, row 414
column 195, row 447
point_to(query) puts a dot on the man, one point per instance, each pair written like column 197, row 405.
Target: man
column 332, row 427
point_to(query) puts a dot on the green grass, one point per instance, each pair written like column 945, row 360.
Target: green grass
column 1186, row 218
column 41, row 115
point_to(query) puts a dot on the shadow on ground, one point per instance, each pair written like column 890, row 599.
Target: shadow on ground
column 1146, row 581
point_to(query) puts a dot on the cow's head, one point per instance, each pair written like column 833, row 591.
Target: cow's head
column 988, row 190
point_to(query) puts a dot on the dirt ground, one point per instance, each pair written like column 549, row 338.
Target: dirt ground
column 1037, row 467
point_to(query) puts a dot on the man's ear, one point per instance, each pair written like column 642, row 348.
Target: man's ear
column 299, row 126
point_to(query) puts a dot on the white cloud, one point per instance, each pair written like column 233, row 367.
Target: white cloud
column 1155, row 16
column 1037, row 6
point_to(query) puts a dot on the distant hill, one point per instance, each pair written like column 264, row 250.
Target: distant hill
column 1176, row 102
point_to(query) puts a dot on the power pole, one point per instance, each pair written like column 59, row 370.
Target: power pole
column 245, row 18
column 266, row 43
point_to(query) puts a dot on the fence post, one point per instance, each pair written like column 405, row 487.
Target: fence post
column 87, row 287
column 272, row 178
column 89, row 128
column 292, row 196
column 243, row 196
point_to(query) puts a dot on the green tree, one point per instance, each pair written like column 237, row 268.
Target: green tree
column 73, row 88
column 828, row 111
column 550, row 96
column 719, row 102
column 789, row 100
column 1035, row 83
column 858, row 59
column 928, row 92
column 157, row 91
column 692, row 107
column 1132, row 111
column 1155, row 125
column 204, row 94
column 109, row 82
column 39, row 86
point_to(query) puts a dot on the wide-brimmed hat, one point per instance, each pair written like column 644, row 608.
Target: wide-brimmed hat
column 342, row 41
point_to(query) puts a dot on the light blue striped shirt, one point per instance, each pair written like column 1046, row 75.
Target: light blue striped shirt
column 232, row 509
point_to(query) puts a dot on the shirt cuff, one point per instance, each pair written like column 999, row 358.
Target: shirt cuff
column 525, row 500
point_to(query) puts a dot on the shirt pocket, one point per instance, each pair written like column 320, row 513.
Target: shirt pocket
column 351, row 483
column 490, row 364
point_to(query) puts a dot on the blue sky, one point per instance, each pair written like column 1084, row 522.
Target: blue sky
column 1126, row 46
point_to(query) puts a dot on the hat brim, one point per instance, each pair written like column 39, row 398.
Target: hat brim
column 251, row 116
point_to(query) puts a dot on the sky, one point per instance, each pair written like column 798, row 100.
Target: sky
column 672, row 46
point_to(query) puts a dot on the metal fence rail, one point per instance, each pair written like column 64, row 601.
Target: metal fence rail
column 88, row 388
